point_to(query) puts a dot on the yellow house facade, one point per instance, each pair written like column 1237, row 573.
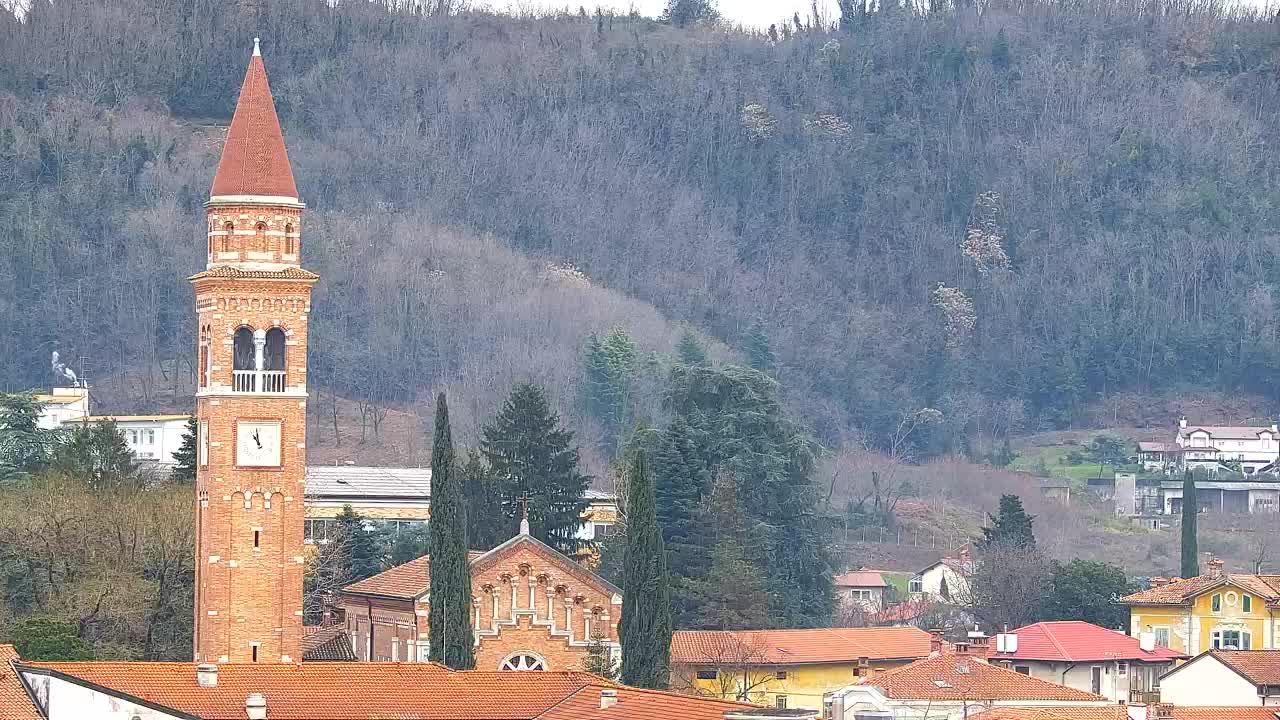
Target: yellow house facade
column 1211, row 611
column 792, row 669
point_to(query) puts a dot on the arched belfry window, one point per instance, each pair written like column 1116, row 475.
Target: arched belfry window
column 290, row 242
column 204, row 355
column 274, row 354
column 260, row 238
column 230, row 229
column 243, row 348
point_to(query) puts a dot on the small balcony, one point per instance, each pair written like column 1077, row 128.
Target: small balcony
column 1144, row 697
column 257, row 381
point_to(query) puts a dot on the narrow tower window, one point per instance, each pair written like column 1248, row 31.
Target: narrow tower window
column 255, row 653
column 260, row 239
column 290, row 242
column 257, row 536
column 230, row 230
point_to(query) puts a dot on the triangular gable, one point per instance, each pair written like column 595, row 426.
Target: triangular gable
column 554, row 556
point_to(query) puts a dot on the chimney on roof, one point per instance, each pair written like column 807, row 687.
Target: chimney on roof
column 1161, row 711
column 207, row 675
column 255, row 706
column 1007, row 642
column 608, row 698
column 1159, row 581
column 1147, row 641
column 935, row 642
column 979, row 644
column 1182, row 422
column 1214, row 568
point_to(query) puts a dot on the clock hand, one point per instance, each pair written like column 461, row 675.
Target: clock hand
column 257, row 439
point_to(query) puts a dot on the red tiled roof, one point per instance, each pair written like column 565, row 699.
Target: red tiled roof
column 859, row 578
column 1226, row 713
column 413, row 579
column 1261, row 667
column 235, row 273
column 956, row 678
column 254, row 160
column 327, row 642
column 1184, row 591
column 634, row 703
column 1109, row 712
column 15, row 704
column 334, row 690
column 1079, row 641
column 407, row 581
column 383, row 691
column 797, row 647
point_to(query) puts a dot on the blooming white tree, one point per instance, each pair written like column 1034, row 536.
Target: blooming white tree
column 958, row 311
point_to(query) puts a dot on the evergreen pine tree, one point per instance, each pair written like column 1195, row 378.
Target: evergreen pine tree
column 98, row 454
column 363, row 546
column 24, row 447
column 184, row 468
column 800, row 567
column 1011, row 528
column 759, row 352
column 1190, row 513
column 449, row 623
column 747, row 607
column 610, row 373
column 689, row 351
column 680, row 483
column 487, row 526
column 528, row 452
column 645, row 626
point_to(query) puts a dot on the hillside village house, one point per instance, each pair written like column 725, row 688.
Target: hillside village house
column 1251, row 448
column 788, row 668
column 1086, row 657
column 946, row 580
column 951, row 685
column 62, row 405
column 151, row 438
column 1211, row 611
column 1225, row 677
column 861, row 590
column 535, row 609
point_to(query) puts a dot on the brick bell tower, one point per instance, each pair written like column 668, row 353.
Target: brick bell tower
column 252, row 302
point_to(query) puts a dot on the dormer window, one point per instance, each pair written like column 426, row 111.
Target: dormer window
column 1215, row 602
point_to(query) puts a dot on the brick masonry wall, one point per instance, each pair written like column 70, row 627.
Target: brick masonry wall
column 247, row 594
column 521, row 567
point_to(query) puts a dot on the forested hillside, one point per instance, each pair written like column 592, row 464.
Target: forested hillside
column 998, row 211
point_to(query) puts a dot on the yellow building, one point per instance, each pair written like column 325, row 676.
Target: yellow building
column 1211, row 611
column 788, row 668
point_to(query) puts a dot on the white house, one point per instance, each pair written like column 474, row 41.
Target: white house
column 861, row 590
column 61, row 405
column 150, row 437
column 1252, row 448
column 1087, row 657
column 1225, row 677
column 1225, row 497
column 946, row 580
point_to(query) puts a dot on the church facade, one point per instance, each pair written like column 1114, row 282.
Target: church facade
column 252, row 305
column 533, row 609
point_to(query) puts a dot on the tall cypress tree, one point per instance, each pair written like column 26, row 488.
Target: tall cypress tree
column 528, row 452
column 1190, row 513
column 680, row 481
column 645, row 626
column 449, row 622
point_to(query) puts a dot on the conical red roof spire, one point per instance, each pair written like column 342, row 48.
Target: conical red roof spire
column 254, row 160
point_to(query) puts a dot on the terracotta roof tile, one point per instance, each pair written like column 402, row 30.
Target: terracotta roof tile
column 1109, row 712
column 235, row 273
column 1226, row 713
column 334, row 690
column 636, row 704
column 329, row 642
column 797, row 647
column 254, row 160
column 407, row 581
column 952, row 677
column 859, row 578
column 15, row 704
column 1183, row 591
column 1079, row 641
column 1261, row 667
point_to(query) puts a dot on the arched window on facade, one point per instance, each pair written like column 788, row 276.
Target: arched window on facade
column 522, row 661
column 273, row 361
column 244, row 362
column 260, row 237
column 204, row 356
column 290, row 242
column 229, row 228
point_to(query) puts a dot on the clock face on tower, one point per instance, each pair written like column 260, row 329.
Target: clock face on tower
column 258, row 443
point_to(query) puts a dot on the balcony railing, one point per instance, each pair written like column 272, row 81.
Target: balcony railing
column 252, row 381
column 1144, row 697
